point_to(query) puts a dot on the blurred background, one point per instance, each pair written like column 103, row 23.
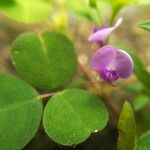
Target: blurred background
column 76, row 19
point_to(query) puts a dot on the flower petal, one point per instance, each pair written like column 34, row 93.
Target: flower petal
column 100, row 28
column 102, row 35
column 109, row 76
column 123, row 64
column 118, row 23
column 103, row 57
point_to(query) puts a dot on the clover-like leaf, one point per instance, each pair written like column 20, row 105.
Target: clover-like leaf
column 126, row 128
column 145, row 25
column 144, row 142
column 45, row 61
column 26, row 11
column 72, row 115
column 20, row 113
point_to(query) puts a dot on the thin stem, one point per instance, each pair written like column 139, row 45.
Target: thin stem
column 47, row 95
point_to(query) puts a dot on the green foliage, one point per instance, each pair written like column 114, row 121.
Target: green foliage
column 86, row 12
column 136, row 87
column 72, row 115
column 140, row 102
column 145, row 25
column 126, row 128
column 123, row 2
column 140, row 70
column 143, row 142
column 26, row 11
column 117, row 5
column 6, row 3
column 92, row 3
column 78, row 9
column 20, row 113
column 45, row 61
column 104, row 11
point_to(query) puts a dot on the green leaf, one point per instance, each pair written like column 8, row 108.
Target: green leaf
column 145, row 25
column 136, row 87
column 143, row 142
column 126, row 128
column 119, row 4
column 26, row 11
column 72, row 115
column 20, row 113
column 4, row 3
column 45, row 61
column 78, row 9
column 139, row 68
column 92, row 3
column 86, row 12
column 140, row 102
column 104, row 11
column 123, row 2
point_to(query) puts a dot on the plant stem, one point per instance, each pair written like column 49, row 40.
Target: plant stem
column 47, row 95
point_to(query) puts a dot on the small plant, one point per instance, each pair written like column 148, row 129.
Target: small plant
column 43, row 91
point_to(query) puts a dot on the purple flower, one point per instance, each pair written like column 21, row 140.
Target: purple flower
column 112, row 63
column 100, row 35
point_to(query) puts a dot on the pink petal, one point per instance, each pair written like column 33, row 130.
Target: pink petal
column 103, row 57
column 112, row 63
column 124, row 64
column 103, row 34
